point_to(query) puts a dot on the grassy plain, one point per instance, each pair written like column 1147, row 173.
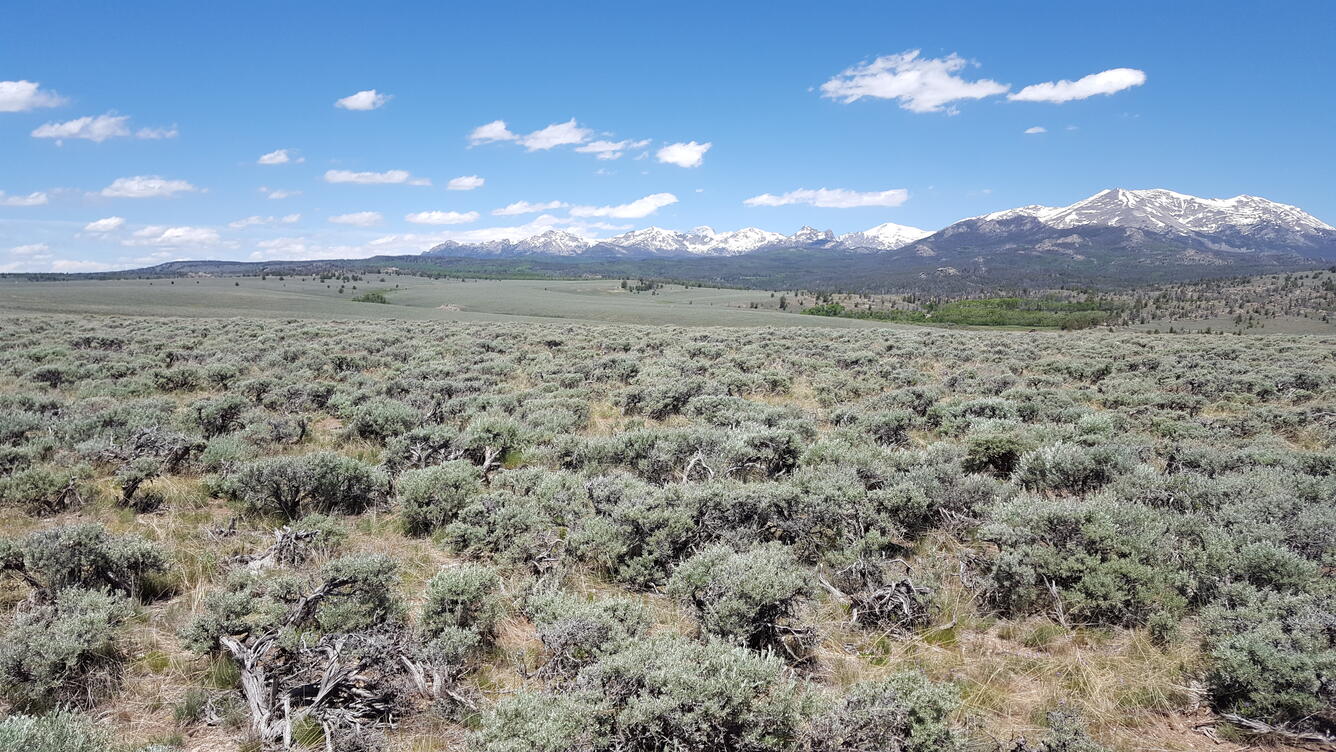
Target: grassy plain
column 410, row 297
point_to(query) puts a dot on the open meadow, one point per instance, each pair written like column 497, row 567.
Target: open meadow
column 248, row 514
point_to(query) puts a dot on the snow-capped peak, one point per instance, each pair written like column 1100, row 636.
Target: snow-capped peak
column 1161, row 210
column 556, row 242
column 886, row 237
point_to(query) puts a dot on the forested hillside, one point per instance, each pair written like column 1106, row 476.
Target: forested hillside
column 223, row 534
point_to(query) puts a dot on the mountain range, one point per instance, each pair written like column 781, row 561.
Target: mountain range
column 1155, row 226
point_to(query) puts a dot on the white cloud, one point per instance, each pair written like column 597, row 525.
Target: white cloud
column 832, row 198
column 95, row 129
column 363, row 100
column 442, row 217
column 490, row 133
column 689, row 154
column 36, row 198
column 277, row 157
column 174, row 237
column 21, row 96
column 258, row 220
column 389, row 177
column 524, row 207
column 465, row 183
column 637, row 209
column 919, row 84
column 556, row 134
column 611, row 149
column 106, row 224
column 359, row 219
column 146, row 186
column 32, row 249
column 278, row 193
column 100, row 128
column 1034, row 129
column 1106, row 82
column 157, row 134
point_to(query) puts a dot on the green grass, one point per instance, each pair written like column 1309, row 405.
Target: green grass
column 408, row 297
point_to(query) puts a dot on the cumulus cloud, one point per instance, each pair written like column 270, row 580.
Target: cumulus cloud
column 1105, row 82
column 524, row 207
column 832, row 198
column 1035, row 129
column 174, row 237
column 919, row 84
column 491, row 132
column 21, row 96
column 465, row 183
column 36, row 198
column 277, row 157
column 442, row 217
column 389, row 177
column 642, row 207
column 363, row 100
column 106, row 224
column 146, row 186
column 611, row 149
column 689, row 154
column 359, row 219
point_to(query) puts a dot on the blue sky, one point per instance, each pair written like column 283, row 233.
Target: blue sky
column 183, row 100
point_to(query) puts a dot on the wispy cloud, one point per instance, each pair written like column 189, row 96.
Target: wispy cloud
column 611, row 149
column 146, row 186
column 524, row 207
column 100, row 128
column 832, row 198
column 1106, row 82
column 106, row 224
column 358, row 219
column 465, row 183
column 389, row 177
column 442, row 217
column 36, row 198
column 1035, row 129
column 642, row 207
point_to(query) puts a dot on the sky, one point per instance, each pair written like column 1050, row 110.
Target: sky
column 142, row 132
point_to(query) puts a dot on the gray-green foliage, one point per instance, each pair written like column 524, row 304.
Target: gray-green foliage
column 747, row 598
column 466, row 597
column 59, row 731
column 63, row 653
column 82, row 555
column 294, row 485
column 432, row 497
column 902, row 713
column 658, row 693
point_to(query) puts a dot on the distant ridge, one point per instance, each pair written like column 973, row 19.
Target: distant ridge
column 1160, row 222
